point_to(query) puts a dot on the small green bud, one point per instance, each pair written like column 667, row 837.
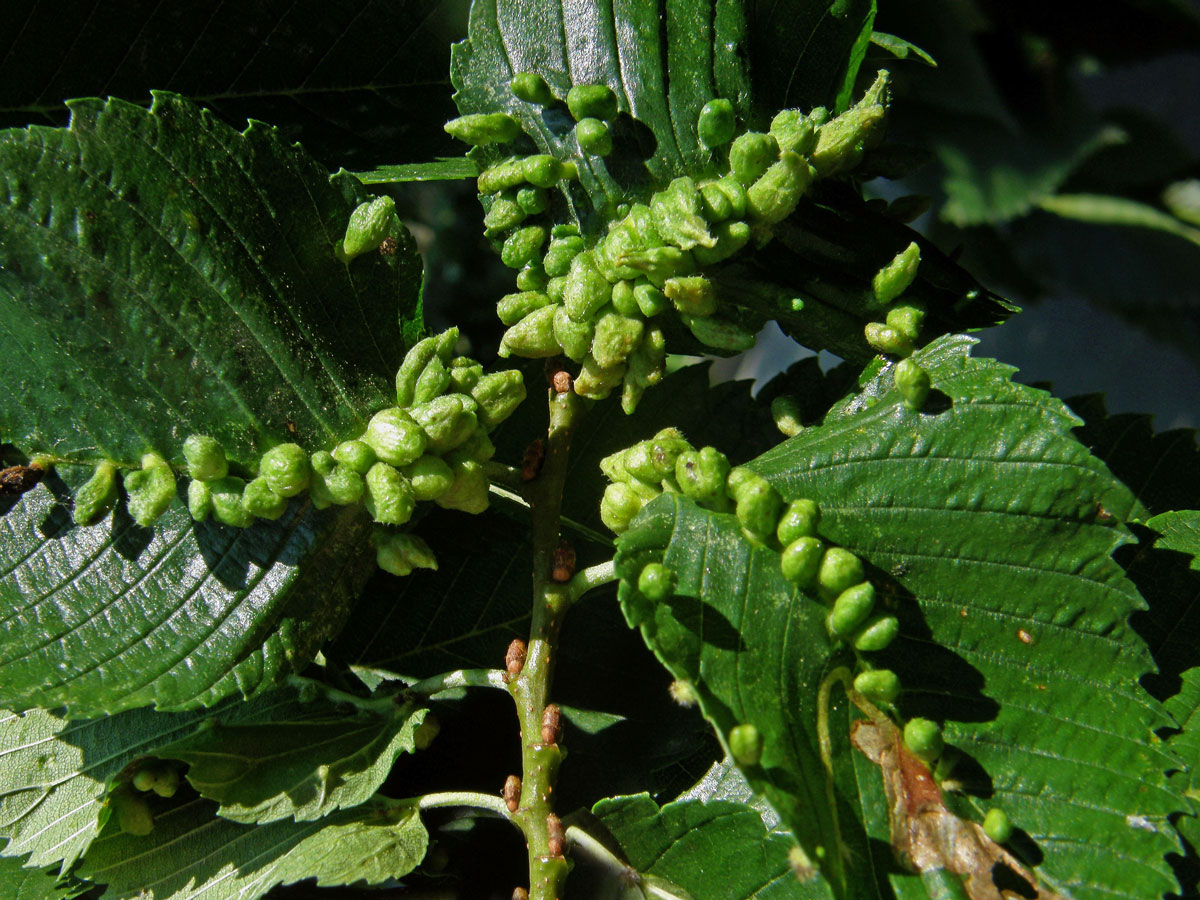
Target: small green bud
column 483, row 128
column 532, row 88
column 731, row 236
column 399, row 553
column 723, row 199
column 574, row 338
column 650, row 300
column 559, row 254
column 924, row 739
column 840, row 569
column 851, row 609
column 618, row 506
column 433, row 380
column 418, row 358
column 205, row 458
column 447, row 422
column 596, row 101
column 800, row 519
column 913, row 383
column 395, row 436
column 587, row 290
column 716, row 123
column 722, row 334
column 750, row 156
column 758, row 506
column 842, row 142
column 226, row 496
column 464, row 374
column 906, row 319
column 150, row 489
column 692, row 294
column 285, row 468
column 512, row 308
column 543, row 170
column 533, row 200
column 356, row 454
column 430, row 477
column 389, row 495
column 532, row 336
column 503, row 175
column 167, row 782
column 996, row 825
column 746, row 744
column 96, row 495
column 788, row 416
column 200, row 504
column 894, row 279
column 144, row 779
column 623, row 300
column 677, row 215
column 656, row 581
column 794, row 131
column 369, row 224
column 132, row 813
column 701, row 475
column 879, row 685
column 593, row 137
column 877, row 634
column 341, row 486
column 323, row 462
column 616, row 337
column 469, row 493
column 886, row 339
column 504, row 213
column 532, row 278
column 498, row 395
column 819, row 115
column 772, row 197
column 597, row 381
column 523, row 246
column 261, row 502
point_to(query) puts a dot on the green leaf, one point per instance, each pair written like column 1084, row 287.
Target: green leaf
column 662, row 66
column 352, row 83
column 1180, row 530
column 303, row 760
column 900, row 48
column 116, row 616
column 1099, row 209
column 1185, row 707
column 164, row 274
column 19, row 883
column 55, row 771
column 983, row 510
column 442, row 170
column 192, row 851
column 710, row 849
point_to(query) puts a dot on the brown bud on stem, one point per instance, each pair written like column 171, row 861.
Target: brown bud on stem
column 19, row 479
column 512, row 793
column 519, row 893
column 554, row 830
column 551, row 724
column 531, row 463
column 514, row 659
column 561, row 382
column 563, row 567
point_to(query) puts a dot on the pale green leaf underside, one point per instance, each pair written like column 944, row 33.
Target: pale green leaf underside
column 163, row 274
column 992, row 516
column 19, row 883
column 300, row 761
column 451, row 169
column 115, row 616
column 193, row 853
column 714, row 849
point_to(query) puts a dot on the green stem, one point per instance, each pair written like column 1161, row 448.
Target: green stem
column 499, row 473
column 591, row 578
column 531, row 688
column 459, row 678
column 473, row 799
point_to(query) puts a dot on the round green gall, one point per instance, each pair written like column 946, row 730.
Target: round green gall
column 618, row 506
column 483, row 128
column 615, row 338
column 532, row 88
column 571, row 337
column 557, row 261
column 205, row 458
column 758, row 506
column 586, row 290
column 692, row 294
column 533, row 200
column 532, row 278
column 887, row 339
column 650, row 300
column 226, row 496
column 775, row 194
column 723, row 199
column 503, row 214
column 906, row 319
column 369, row 225
column 323, row 462
column 716, row 123
column 840, row 569
column 200, row 505
column 623, row 300
column 850, row 610
column 996, row 825
column 656, row 581
column 498, row 395
column 592, row 101
column 418, row 359
column 261, row 502
column 701, row 475
column 430, row 476
column 719, row 333
column 356, row 454
column 923, row 738
column 677, row 213
column 503, row 175
column 795, row 132
column 751, row 155
column 447, row 421
column 395, row 437
column 97, row 495
column 730, row 237
column 593, row 137
column 149, row 489
column 877, row 634
column 894, row 278
column 841, row 142
column 523, row 246
column 433, row 380
column 746, row 744
column 143, row 780
column 389, row 495
column 286, row 469
column 800, row 519
column 913, row 384
column 341, row 486
column 166, row 784
column 878, row 685
column 469, row 493
column 131, row 812
column 542, row 170
column 464, row 374
column 801, row 560
column 512, row 308
column 400, row 553
column 596, row 381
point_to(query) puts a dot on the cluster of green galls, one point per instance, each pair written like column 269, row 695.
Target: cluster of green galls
column 596, row 302
column 432, row 445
